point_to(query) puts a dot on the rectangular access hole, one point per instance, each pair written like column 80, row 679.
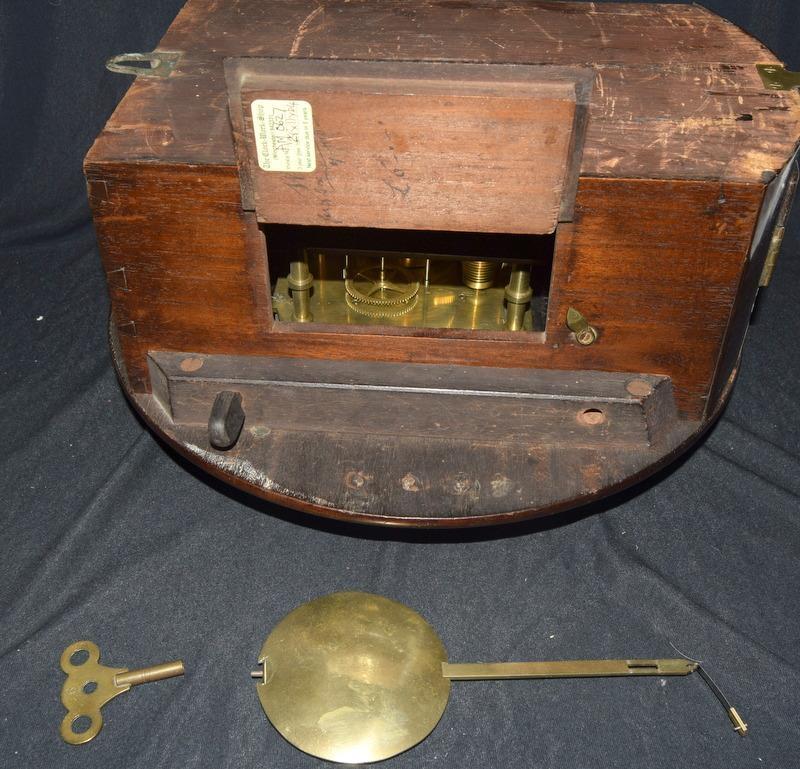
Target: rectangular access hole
column 410, row 278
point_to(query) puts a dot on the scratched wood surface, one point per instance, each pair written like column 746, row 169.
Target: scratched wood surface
column 412, row 481
column 676, row 94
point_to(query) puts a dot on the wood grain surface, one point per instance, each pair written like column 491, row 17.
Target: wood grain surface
column 417, row 145
column 674, row 84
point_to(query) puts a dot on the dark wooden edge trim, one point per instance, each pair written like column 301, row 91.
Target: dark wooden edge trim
column 337, row 397
column 569, row 193
column 749, row 281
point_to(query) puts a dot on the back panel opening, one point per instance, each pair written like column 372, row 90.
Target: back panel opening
column 343, row 276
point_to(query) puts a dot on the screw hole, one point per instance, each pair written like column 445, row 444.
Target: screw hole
column 79, row 657
column 591, row 417
column 355, row 479
column 639, row 388
column 89, row 687
column 81, row 724
column 191, row 364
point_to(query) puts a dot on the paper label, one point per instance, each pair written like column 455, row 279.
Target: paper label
column 284, row 134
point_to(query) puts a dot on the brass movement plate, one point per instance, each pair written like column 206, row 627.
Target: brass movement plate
column 353, row 678
column 443, row 301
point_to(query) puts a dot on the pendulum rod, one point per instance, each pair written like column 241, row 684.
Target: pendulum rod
column 482, row 671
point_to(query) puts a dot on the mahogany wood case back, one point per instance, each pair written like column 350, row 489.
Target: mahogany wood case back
column 439, row 263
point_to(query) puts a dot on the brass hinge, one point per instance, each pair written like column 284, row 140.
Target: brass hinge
column 780, row 230
column 772, row 256
column 777, row 78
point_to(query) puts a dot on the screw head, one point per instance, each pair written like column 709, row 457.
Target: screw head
column 587, row 336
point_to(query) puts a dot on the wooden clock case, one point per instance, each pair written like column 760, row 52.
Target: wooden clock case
column 636, row 150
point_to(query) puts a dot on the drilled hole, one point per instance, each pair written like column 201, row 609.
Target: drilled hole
column 79, row 657
column 89, row 687
column 591, row 417
column 81, row 724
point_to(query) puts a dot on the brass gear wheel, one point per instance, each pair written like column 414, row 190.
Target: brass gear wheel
column 389, row 287
column 381, row 311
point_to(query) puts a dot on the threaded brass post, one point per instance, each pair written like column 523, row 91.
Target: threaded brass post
column 478, row 273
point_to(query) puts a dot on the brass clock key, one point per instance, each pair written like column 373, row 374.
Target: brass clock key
column 90, row 685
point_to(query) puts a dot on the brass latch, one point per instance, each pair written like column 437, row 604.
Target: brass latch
column 585, row 333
